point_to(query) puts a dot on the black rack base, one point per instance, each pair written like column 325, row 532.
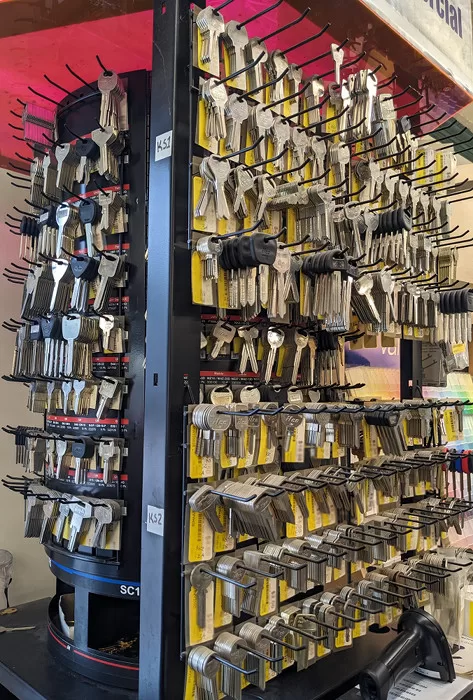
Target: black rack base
column 29, row 671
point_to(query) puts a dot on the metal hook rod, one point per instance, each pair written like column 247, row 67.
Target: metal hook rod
column 289, row 97
column 291, row 170
column 324, row 121
column 243, row 231
column 307, row 109
column 259, row 14
column 323, row 55
column 106, row 72
column 268, row 160
column 306, row 41
column 242, row 70
column 287, row 26
column 266, row 85
column 76, row 75
column 243, row 150
column 44, row 97
column 389, row 82
column 51, row 82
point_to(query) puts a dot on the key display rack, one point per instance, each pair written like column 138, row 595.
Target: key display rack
column 207, row 482
column 84, row 466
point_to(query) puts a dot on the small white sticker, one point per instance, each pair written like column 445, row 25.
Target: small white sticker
column 155, row 520
column 163, row 146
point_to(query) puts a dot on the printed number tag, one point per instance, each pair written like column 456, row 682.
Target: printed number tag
column 163, row 146
column 155, row 520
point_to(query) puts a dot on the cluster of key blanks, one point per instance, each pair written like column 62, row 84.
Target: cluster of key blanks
column 323, row 622
column 69, row 521
column 55, row 455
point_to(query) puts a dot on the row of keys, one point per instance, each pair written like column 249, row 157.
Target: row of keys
column 302, row 633
column 54, row 457
column 63, row 518
column 43, row 349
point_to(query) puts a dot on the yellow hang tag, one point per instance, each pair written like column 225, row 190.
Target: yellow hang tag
column 201, row 540
column 223, row 541
column 295, row 529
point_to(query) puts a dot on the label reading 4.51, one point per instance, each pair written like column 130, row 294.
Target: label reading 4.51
column 155, row 520
column 163, row 146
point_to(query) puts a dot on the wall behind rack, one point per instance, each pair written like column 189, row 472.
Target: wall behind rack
column 31, row 576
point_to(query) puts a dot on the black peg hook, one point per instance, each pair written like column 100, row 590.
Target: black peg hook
column 76, row 75
column 291, row 170
column 315, row 179
column 388, row 82
column 458, row 143
column 276, row 235
column 287, row 26
column 243, row 150
column 107, row 72
column 44, row 97
column 314, row 125
column 376, row 148
column 292, row 245
column 326, row 54
column 410, row 104
column 263, row 87
column 107, row 194
column 289, row 97
column 259, row 14
column 242, row 70
column 268, row 160
column 307, row 109
column 73, row 194
column 18, row 177
column 309, row 39
column 27, row 160
column 51, row 82
column 343, row 131
column 432, row 121
column 76, row 136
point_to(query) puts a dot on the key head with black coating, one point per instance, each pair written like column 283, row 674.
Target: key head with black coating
column 89, row 211
column 85, row 268
column 86, row 148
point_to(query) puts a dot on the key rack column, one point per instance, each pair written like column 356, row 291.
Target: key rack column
column 172, row 354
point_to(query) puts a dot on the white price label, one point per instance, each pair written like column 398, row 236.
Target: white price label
column 155, row 520
column 163, row 146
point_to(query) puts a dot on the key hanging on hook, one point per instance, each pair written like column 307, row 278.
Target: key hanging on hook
column 326, row 54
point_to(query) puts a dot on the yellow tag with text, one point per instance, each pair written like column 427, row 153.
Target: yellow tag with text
column 201, row 541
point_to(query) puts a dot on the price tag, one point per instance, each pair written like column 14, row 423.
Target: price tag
column 155, row 520
column 163, row 146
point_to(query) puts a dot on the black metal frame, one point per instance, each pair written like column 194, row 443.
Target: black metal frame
column 172, row 342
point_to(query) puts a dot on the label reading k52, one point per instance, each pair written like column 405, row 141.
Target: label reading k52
column 155, row 520
column 163, row 146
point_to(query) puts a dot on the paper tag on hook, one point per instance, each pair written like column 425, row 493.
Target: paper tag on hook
column 155, row 520
column 163, row 146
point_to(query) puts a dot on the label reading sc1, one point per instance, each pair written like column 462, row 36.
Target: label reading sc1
column 163, row 146
column 155, row 520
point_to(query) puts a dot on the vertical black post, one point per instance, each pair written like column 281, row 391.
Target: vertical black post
column 172, row 352
column 410, row 355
